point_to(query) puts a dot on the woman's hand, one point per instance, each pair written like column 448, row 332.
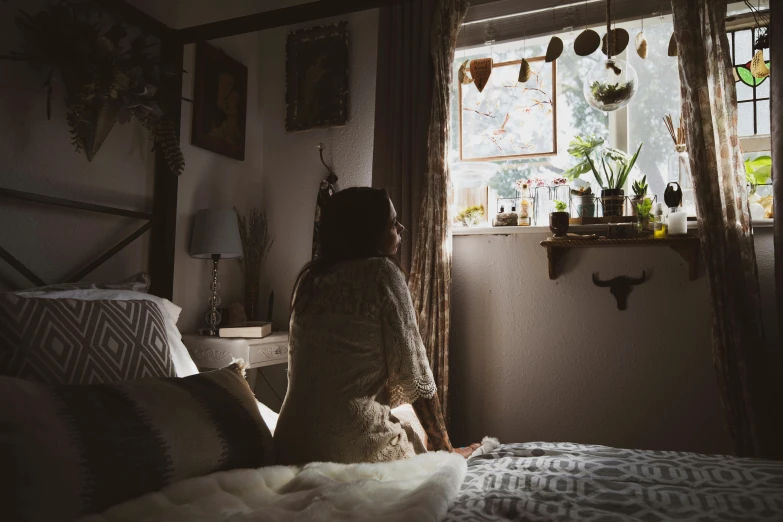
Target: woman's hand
column 468, row 450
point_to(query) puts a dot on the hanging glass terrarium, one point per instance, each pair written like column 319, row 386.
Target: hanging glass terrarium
column 612, row 83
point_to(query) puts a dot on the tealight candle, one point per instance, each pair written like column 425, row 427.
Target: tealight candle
column 678, row 223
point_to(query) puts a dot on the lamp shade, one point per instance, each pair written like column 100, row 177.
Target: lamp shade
column 215, row 232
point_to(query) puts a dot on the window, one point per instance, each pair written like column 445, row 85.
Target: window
column 625, row 129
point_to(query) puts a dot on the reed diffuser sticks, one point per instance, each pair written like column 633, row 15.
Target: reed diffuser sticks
column 678, row 133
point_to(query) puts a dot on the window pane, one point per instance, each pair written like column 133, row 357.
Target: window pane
column 762, row 91
column 658, row 95
column 743, row 51
column 745, row 117
column 744, row 92
column 762, row 117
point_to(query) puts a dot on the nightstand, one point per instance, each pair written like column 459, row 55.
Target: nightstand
column 217, row 352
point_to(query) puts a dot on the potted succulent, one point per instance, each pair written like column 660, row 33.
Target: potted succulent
column 615, row 166
column 639, row 193
column 471, row 216
column 558, row 220
column 584, row 201
column 643, row 213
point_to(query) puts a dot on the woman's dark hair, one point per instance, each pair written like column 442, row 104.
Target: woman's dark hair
column 352, row 225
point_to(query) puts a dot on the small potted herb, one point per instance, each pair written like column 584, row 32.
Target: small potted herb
column 558, row 220
column 471, row 216
column 643, row 211
column 584, row 201
column 611, row 94
column 639, row 192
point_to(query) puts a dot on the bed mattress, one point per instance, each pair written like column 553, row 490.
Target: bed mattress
column 542, row 481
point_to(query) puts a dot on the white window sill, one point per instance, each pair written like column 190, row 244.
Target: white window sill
column 486, row 230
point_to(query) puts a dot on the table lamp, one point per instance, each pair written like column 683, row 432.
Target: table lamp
column 215, row 236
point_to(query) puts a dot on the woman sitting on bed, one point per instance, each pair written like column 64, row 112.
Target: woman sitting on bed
column 355, row 348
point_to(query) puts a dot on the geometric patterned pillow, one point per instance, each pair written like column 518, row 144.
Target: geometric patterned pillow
column 137, row 282
column 69, row 341
column 69, row 451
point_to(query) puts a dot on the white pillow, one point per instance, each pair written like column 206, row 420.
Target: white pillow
column 183, row 364
column 269, row 416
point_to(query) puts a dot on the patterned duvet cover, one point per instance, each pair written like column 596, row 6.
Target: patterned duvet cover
column 542, row 481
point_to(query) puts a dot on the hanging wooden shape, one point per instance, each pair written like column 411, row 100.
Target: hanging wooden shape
column 587, row 43
column 758, row 68
column 641, row 45
column 480, row 70
column 554, row 49
column 672, row 46
column 463, row 76
column 524, row 71
column 620, row 37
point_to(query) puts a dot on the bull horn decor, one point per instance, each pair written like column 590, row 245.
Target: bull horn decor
column 620, row 287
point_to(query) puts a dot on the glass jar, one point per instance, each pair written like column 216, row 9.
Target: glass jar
column 680, row 171
column 610, row 85
column 470, row 203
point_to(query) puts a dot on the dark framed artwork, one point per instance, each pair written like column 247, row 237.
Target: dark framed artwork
column 317, row 77
column 219, row 102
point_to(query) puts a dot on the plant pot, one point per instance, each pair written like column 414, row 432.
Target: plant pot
column 612, row 200
column 635, row 200
column 558, row 223
column 644, row 227
column 584, row 206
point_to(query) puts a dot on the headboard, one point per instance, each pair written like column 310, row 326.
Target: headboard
column 161, row 222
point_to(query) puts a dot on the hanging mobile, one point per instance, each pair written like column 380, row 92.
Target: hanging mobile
column 481, row 68
column 555, row 47
column 641, row 42
column 524, row 66
column 462, row 74
column 588, row 40
column 672, row 41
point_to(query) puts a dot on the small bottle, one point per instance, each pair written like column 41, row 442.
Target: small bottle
column 660, row 229
column 524, row 206
column 502, row 209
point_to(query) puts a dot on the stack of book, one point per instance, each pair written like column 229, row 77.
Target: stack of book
column 253, row 329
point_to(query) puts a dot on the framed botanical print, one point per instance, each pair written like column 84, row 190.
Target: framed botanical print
column 317, row 77
column 220, row 102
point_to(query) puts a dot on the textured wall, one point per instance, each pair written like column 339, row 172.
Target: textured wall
column 534, row 359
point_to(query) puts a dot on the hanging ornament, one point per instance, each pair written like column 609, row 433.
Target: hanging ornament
column 672, row 46
column 480, row 70
column 463, row 76
column 620, row 39
column 612, row 83
column 758, row 67
column 524, row 71
column 588, row 40
column 641, row 43
column 555, row 47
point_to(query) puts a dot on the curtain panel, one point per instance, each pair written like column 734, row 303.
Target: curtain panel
column 748, row 368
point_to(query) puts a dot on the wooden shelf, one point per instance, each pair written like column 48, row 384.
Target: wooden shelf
column 686, row 246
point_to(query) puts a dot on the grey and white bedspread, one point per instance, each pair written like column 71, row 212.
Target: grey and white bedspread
column 542, row 481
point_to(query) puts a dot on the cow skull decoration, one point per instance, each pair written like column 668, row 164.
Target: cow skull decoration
column 620, row 287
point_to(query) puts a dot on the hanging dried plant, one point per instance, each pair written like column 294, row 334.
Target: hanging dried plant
column 464, row 77
column 758, row 67
column 524, row 71
column 109, row 76
column 641, row 45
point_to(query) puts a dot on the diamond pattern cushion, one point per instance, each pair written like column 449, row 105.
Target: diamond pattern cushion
column 69, row 341
column 68, row 451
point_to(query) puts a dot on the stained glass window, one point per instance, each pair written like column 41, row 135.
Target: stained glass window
column 752, row 93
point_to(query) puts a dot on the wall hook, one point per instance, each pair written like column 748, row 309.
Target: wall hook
column 620, row 287
column 332, row 178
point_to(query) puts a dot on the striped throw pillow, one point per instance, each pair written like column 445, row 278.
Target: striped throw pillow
column 71, row 450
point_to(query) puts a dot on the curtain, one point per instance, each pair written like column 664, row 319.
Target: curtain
column 430, row 279
column 403, row 98
column 776, row 88
column 743, row 362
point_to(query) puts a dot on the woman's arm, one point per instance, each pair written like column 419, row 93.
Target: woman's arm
column 429, row 413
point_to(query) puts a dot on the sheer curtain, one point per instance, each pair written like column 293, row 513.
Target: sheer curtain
column 416, row 181
column 748, row 368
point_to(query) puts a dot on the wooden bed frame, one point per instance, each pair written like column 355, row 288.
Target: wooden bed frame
column 162, row 221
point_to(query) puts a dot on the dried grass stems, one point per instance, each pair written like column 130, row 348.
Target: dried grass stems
column 677, row 134
column 256, row 243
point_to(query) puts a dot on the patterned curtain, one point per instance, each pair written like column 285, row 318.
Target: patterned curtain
column 430, row 279
column 741, row 358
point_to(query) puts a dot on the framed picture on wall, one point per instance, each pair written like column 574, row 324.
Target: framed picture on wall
column 317, row 77
column 219, row 102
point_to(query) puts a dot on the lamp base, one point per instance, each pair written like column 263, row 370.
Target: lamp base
column 214, row 317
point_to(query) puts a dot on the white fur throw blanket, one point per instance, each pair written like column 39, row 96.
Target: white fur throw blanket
column 418, row 489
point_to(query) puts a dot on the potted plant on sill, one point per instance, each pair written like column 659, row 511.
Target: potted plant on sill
column 643, row 211
column 584, row 201
column 615, row 164
column 558, row 220
column 471, row 216
column 639, row 193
